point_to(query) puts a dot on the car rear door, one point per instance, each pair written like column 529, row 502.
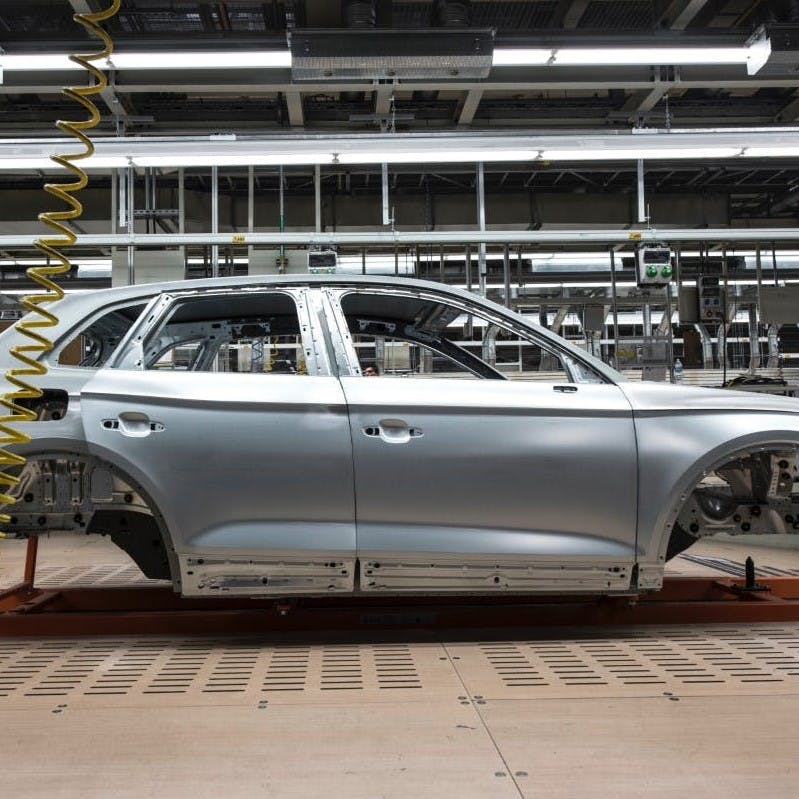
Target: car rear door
column 251, row 470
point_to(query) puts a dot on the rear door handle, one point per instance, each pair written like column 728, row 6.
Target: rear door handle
column 565, row 389
column 133, row 424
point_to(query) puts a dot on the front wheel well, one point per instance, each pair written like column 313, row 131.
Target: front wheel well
column 752, row 491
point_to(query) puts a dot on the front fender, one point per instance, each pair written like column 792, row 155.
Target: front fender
column 677, row 449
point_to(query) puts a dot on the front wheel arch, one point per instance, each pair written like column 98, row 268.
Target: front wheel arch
column 673, row 539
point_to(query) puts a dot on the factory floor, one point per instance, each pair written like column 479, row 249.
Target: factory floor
column 705, row 710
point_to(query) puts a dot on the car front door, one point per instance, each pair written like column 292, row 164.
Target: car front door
column 221, row 406
column 464, row 482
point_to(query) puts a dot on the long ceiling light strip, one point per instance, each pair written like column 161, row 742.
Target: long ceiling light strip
column 236, row 59
column 230, row 151
column 754, row 55
column 619, row 56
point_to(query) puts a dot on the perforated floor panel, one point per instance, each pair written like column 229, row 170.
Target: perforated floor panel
column 614, row 662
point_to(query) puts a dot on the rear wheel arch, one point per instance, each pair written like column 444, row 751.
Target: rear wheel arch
column 132, row 523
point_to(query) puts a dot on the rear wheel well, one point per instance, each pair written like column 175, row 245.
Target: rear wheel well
column 77, row 493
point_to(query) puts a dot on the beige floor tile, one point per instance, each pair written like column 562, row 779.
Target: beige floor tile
column 714, row 748
column 395, row 751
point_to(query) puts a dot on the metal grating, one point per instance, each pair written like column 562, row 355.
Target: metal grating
column 631, row 662
column 618, row 15
column 204, row 667
column 675, row 658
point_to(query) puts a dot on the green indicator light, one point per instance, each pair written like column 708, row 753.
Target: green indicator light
column 651, row 271
column 666, row 272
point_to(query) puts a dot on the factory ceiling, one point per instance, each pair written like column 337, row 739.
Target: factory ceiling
column 202, row 101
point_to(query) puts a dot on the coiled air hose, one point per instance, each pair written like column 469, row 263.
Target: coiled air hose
column 27, row 354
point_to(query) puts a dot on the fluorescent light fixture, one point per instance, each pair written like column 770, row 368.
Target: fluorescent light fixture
column 629, row 154
column 620, row 56
column 604, row 56
column 758, row 55
column 445, row 155
column 238, row 59
column 522, row 56
column 36, row 63
column 233, row 59
column 224, row 159
column 771, row 152
column 95, row 162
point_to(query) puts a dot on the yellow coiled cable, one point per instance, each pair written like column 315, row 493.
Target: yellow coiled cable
column 28, row 353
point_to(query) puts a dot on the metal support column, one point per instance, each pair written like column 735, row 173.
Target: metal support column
column 386, row 212
column 754, row 341
column 282, row 221
column 506, row 273
column 114, row 200
column 129, row 222
column 182, row 213
column 214, row 219
column 317, row 186
column 641, row 196
column 615, row 306
column 481, row 221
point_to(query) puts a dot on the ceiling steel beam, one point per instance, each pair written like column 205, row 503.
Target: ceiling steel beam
column 294, row 105
column 455, row 237
column 256, row 87
column 81, row 6
column 470, row 106
column 790, row 113
column 643, row 102
column 383, row 94
column 681, row 13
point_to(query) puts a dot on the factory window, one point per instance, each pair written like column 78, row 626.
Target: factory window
column 254, row 332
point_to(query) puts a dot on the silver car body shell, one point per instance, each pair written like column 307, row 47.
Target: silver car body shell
column 509, row 487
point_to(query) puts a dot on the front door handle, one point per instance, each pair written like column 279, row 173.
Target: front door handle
column 565, row 389
column 392, row 431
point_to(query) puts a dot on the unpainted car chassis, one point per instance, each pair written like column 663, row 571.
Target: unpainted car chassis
column 29, row 611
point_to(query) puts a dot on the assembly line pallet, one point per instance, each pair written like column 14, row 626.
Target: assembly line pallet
column 27, row 610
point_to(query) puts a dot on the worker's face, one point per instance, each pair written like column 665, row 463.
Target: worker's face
column 370, row 371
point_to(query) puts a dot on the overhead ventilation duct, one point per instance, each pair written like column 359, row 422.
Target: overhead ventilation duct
column 359, row 13
column 453, row 13
column 374, row 54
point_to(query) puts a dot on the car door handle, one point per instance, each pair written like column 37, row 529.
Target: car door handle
column 565, row 389
column 392, row 431
column 133, row 424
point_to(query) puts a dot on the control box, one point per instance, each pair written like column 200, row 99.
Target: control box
column 709, row 295
column 653, row 264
